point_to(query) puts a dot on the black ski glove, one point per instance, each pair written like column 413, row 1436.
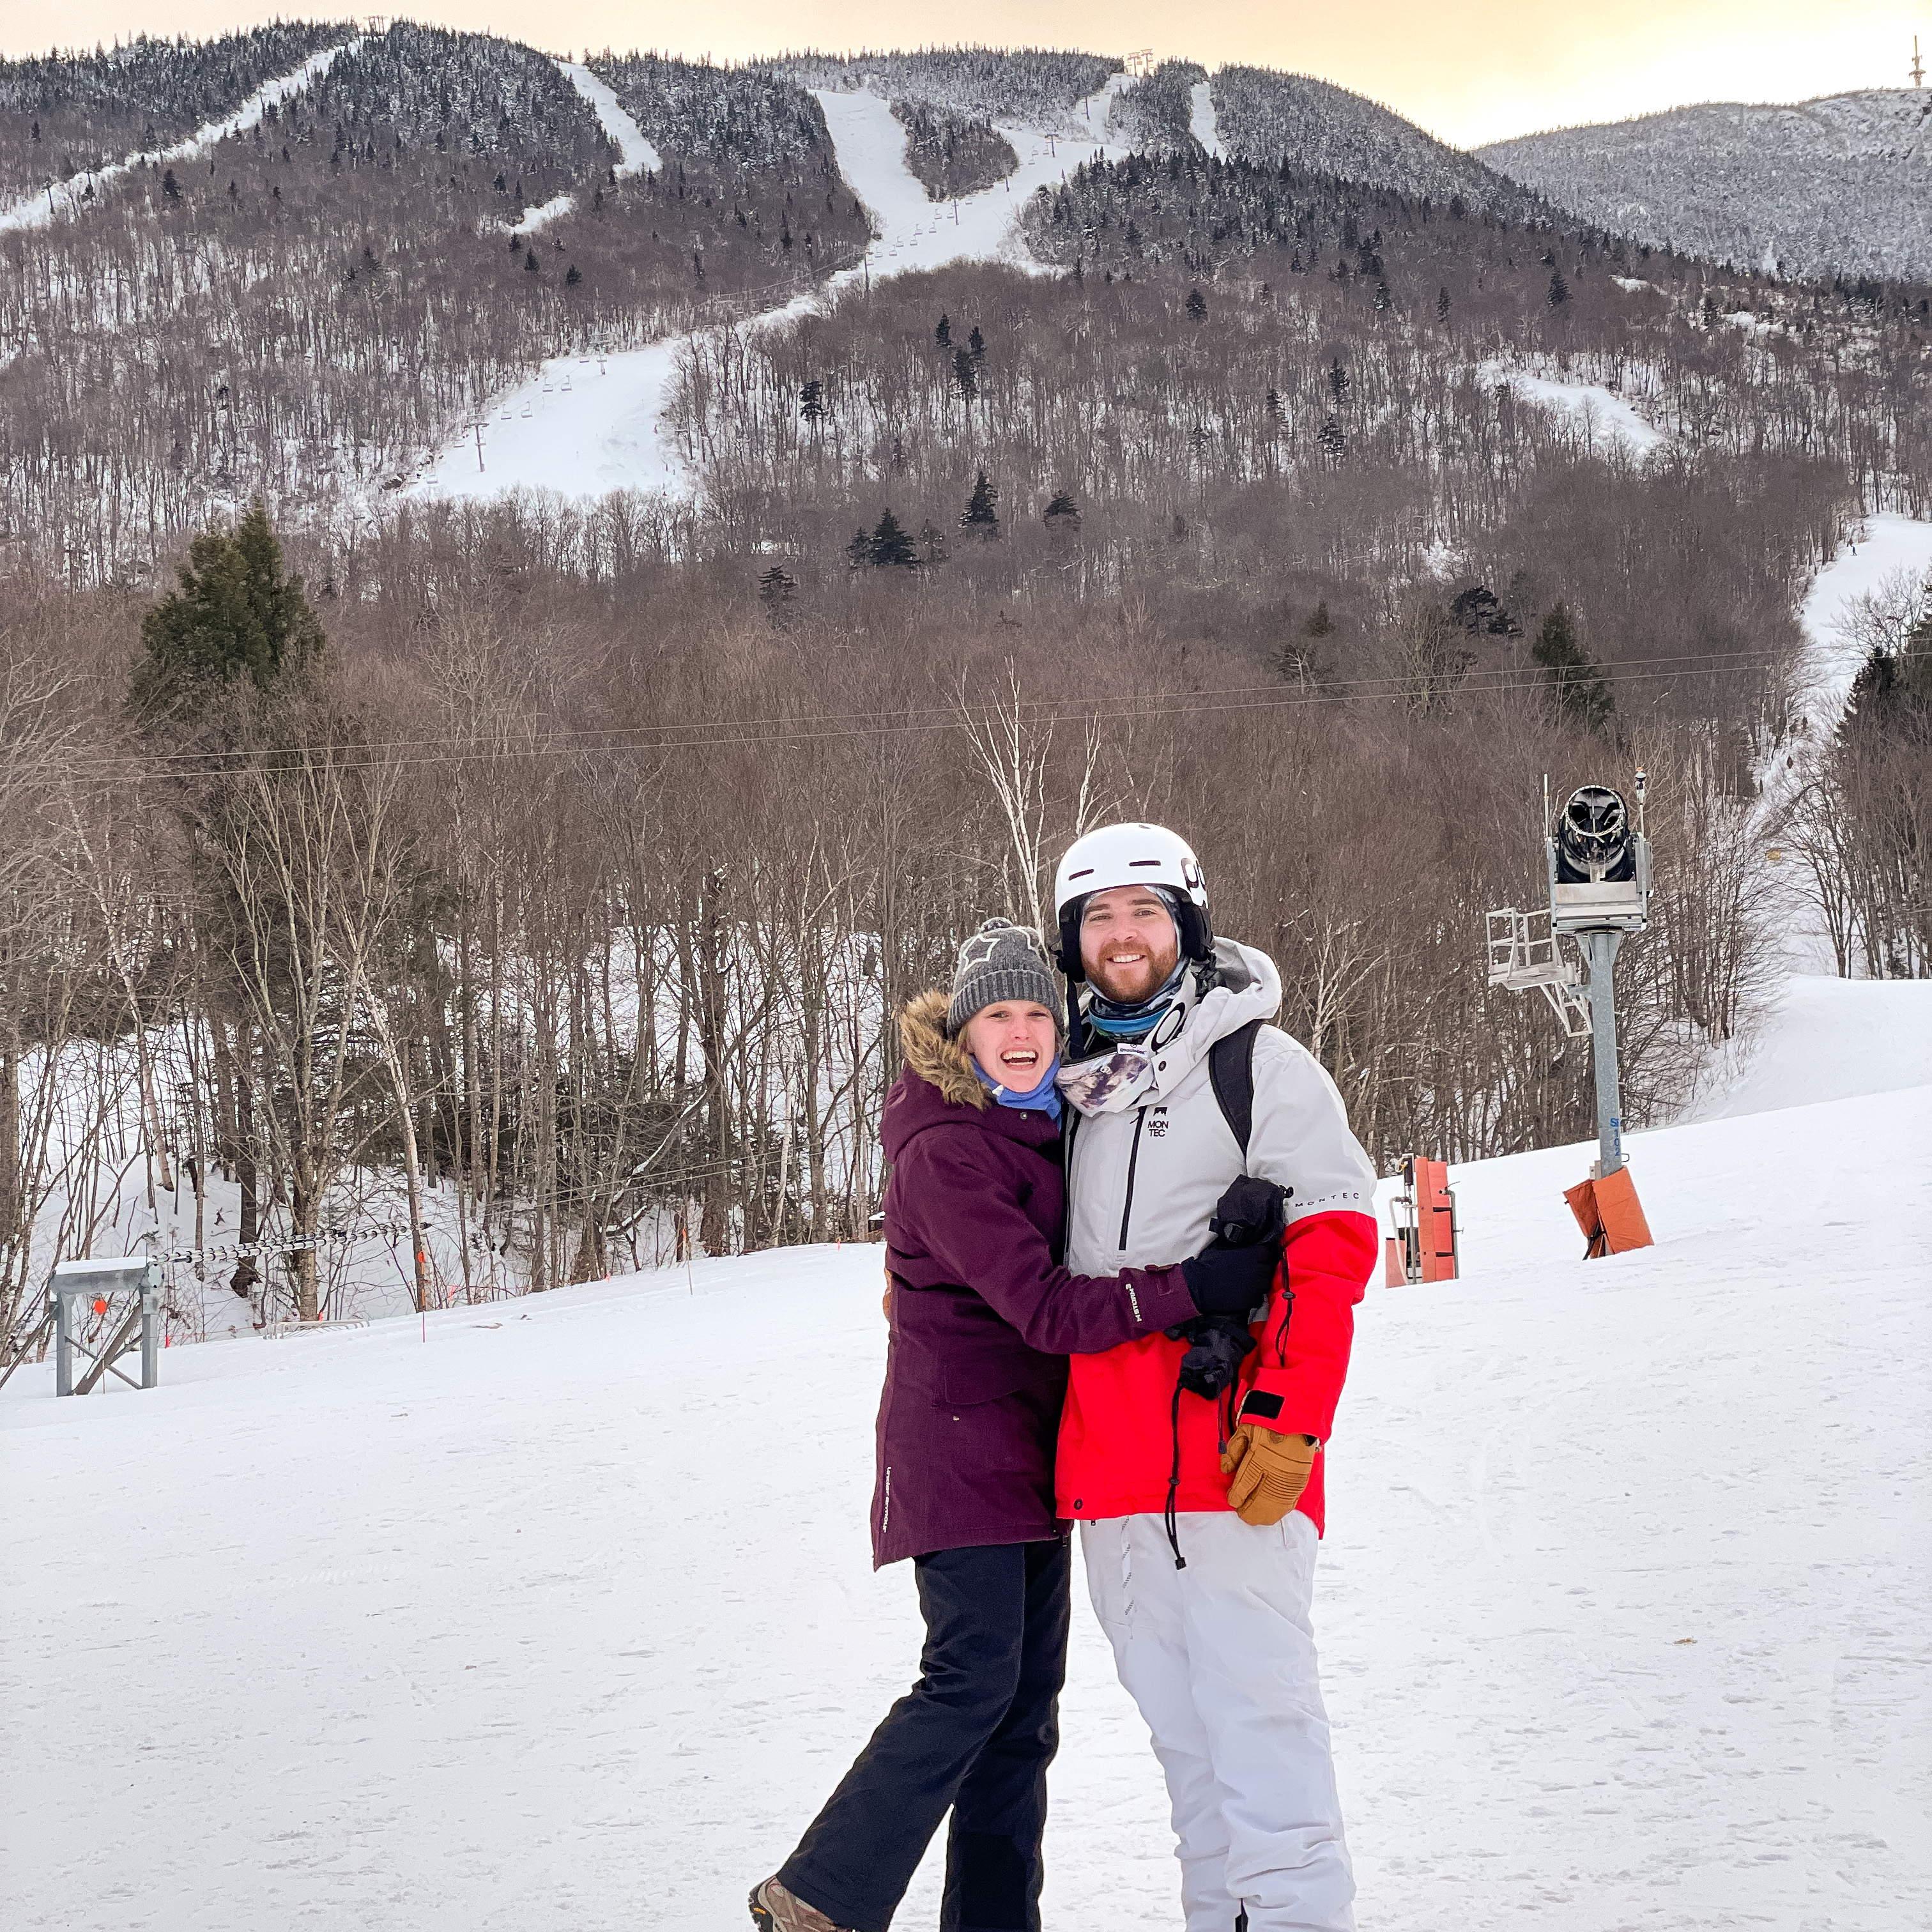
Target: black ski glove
column 1232, row 1281
column 1217, row 1344
column 1250, row 1211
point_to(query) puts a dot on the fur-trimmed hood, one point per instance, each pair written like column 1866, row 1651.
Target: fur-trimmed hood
column 940, row 1062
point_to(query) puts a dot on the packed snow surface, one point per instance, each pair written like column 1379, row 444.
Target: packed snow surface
column 1825, row 1038
column 544, row 213
column 638, row 155
column 1600, row 412
column 39, row 210
column 584, row 425
column 558, row 1617
column 1201, row 121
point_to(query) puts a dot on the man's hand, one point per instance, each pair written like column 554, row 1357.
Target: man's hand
column 1232, row 1281
column 1269, row 1471
column 1217, row 1346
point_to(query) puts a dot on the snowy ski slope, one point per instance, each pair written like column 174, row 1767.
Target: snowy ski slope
column 1202, row 122
column 40, row 209
column 559, row 1615
column 1599, row 413
column 587, row 424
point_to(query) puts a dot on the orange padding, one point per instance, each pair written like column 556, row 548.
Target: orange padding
column 1609, row 1214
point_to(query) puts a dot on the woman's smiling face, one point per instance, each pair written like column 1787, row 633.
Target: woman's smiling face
column 1013, row 1043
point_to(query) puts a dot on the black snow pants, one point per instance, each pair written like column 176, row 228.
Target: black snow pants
column 977, row 1733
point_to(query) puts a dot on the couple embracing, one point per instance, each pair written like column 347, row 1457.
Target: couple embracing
column 1125, row 1241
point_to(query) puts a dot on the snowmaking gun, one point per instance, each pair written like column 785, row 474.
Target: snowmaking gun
column 1597, row 863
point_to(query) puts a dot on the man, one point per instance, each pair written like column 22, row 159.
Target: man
column 1204, row 1585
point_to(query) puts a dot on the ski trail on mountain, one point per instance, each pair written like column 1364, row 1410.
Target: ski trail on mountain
column 1203, row 123
column 1885, row 553
column 637, row 155
column 1602, row 412
column 39, row 210
column 640, row 156
column 915, row 233
column 585, row 424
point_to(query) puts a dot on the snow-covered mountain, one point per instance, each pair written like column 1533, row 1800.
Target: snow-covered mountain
column 1324, row 129
column 1841, row 185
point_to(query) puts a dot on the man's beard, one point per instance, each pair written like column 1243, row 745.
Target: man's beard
column 1147, row 978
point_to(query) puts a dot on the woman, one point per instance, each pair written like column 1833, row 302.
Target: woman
column 982, row 1318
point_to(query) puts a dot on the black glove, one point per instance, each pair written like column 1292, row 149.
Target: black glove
column 1250, row 1211
column 1217, row 1345
column 1232, row 1281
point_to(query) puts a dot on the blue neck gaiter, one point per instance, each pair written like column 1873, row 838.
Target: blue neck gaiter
column 1043, row 1099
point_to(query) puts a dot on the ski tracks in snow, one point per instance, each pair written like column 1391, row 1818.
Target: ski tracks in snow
column 64, row 198
column 1661, row 1680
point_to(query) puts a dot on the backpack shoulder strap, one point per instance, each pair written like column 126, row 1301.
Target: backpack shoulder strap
column 1230, row 1066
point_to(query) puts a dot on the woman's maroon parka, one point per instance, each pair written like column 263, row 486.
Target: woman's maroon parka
column 983, row 1315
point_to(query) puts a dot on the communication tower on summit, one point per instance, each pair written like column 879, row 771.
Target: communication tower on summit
column 1918, row 65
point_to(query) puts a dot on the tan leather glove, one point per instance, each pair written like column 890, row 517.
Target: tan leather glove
column 1270, row 1470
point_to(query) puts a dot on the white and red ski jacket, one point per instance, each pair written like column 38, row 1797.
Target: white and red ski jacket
column 1152, row 1152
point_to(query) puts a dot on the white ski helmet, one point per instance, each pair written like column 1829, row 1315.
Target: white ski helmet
column 1131, row 855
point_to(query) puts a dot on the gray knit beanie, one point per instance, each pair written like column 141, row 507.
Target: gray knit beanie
column 1003, row 961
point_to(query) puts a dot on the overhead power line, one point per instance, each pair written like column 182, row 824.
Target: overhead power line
column 734, row 733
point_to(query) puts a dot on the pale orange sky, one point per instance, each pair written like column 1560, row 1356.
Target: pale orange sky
column 1470, row 71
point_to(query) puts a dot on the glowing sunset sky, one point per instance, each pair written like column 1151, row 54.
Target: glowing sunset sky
column 1470, row 71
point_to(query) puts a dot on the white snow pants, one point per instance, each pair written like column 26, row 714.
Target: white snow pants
column 1220, row 1658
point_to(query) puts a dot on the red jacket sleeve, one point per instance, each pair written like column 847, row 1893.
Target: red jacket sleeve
column 1303, row 1358
column 970, row 1223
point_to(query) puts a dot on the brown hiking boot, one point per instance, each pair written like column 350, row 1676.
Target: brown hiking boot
column 775, row 1910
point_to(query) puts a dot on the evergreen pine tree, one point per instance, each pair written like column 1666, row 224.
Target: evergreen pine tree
column 811, row 402
column 1277, row 410
column 1340, row 381
column 1331, row 438
column 572, row 277
column 1892, row 692
column 1577, row 689
column 859, row 551
column 962, row 374
column 943, row 334
column 530, row 262
column 1559, row 289
column 980, row 517
column 1442, row 304
column 1063, row 513
column 236, row 615
column 1197, row 305
column 1383, row 300
column 976, row 345
column 170, row 187
column 1320, row 624
column 891, row 547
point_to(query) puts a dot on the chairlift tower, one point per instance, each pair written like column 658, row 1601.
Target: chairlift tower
column 1918, row 65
